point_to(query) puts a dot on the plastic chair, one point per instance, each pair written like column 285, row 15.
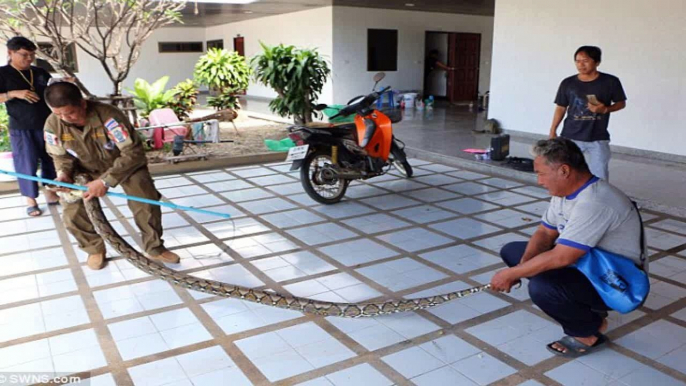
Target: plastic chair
column 165, row 134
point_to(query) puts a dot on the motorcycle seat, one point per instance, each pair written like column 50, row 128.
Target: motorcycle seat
column 325, row 125
column 339, row 129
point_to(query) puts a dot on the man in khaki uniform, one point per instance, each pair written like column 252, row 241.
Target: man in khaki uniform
column 97, row 139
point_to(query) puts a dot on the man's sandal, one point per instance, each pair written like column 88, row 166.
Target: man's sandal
column 34, row 211
column 574, row 348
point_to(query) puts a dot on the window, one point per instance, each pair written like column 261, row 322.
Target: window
column 219, row 43
column 382, row 50
column 171, row 47
column 70, row 58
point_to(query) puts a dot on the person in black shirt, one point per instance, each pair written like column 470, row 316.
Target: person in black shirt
column 431, row 63
column 587, row 99
column 21, row 90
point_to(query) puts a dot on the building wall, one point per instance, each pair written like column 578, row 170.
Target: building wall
column 350, row 26
column 642, row 43
column 306, row 29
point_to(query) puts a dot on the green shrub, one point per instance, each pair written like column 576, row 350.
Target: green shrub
column 148, row 97
column 225, row 72
column 297, row 75
column 4, row 129
column 185, row 98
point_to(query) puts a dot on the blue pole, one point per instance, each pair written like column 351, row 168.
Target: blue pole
column 113, row 194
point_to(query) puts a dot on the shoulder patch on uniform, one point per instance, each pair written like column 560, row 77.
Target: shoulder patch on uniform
column 51, row 139
column 116, row 131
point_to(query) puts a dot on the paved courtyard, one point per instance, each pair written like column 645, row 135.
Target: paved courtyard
column 390, row 238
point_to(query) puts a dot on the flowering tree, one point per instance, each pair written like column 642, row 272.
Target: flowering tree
column 111, row 31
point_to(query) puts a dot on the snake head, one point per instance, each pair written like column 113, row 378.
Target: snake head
column 71, row 196
column 82, row 179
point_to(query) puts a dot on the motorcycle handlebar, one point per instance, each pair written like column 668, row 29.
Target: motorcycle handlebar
column 364, row 103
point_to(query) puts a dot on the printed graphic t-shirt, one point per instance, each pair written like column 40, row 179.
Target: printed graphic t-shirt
column 581, row 124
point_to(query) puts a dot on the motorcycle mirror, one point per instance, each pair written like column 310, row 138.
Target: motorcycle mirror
column 379, row 76
column 320, row 107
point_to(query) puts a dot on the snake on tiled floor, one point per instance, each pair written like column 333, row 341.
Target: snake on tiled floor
column 310, row 306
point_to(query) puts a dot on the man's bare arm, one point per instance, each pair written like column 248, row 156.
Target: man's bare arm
column 557, row 118
column 543, row 240
column 558, row 257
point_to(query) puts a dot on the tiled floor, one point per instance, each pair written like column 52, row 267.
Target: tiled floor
column 390, row 238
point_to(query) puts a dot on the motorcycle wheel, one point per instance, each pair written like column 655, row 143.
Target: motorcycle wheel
column 325, row 192
column 400, row 161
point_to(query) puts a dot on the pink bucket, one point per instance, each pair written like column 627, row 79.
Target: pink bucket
column 7, row 164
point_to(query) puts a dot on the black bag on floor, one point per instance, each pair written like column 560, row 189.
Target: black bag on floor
column 522, row 164
column 500, row 147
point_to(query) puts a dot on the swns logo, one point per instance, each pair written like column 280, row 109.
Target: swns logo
column 614, row 280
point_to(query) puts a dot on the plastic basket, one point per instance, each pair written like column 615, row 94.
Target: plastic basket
column 282, row 145
column 333, row 110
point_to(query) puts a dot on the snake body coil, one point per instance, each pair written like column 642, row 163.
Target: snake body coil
column 346, row 310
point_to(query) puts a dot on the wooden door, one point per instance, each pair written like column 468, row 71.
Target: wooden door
column 238, row 45
column 464, row 54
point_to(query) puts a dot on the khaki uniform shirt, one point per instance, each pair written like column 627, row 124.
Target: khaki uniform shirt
column 107, row 148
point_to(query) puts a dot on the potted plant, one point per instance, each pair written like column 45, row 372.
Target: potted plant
column 296, row 74
column 185, row 98
column 148, row 97
column 226, row 73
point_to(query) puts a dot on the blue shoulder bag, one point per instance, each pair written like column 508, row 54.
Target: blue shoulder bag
column 621, row 284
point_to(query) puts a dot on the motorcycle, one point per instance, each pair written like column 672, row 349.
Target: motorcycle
column 330, row 156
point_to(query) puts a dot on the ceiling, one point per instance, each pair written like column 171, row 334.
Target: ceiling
column 209, row 14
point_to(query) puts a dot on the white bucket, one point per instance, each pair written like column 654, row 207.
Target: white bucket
column 6, row 163
column 409, row 99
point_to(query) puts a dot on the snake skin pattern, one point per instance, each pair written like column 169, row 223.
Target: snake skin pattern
column 346, row 310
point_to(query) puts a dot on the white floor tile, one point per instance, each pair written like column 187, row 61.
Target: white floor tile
column 282, row 365
column 376, row 337
column 526, row 349
column 413, row 362
column 483, row 368
column 25, row 352
column 645, row 375
column 449, row 349
column 157, row 373
column 655, row 339
column 141, row 346
column 444, row 376
column 65, row 343
column 363, row 374
column 220, row 377
column 80, row 360
column 575, row 373
column 325, row 352
column 262, row 345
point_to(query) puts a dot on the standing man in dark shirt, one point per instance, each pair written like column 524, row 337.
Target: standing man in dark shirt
column 431, row 64
column 588, row 99
column 21, row 90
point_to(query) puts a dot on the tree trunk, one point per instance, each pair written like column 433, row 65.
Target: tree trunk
column 78, row 82
column 117, row 88
column 307, row 114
